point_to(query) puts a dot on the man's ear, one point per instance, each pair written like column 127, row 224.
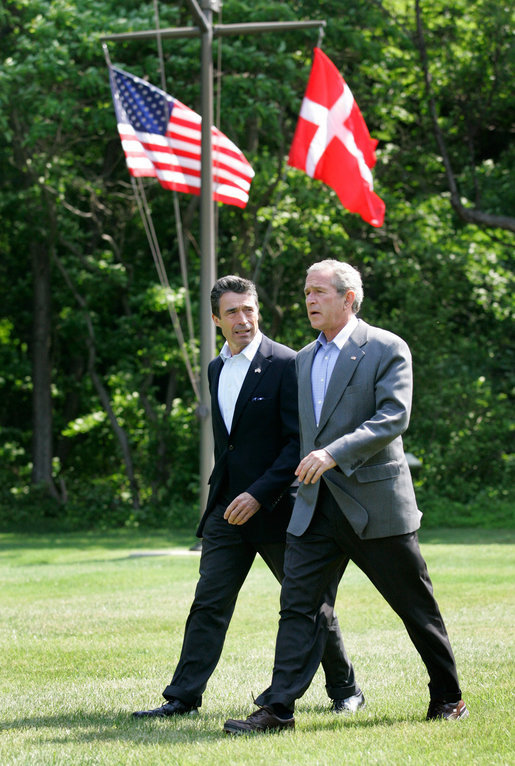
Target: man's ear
column 215, row 319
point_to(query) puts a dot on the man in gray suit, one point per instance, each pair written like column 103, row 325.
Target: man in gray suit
column 356, row 499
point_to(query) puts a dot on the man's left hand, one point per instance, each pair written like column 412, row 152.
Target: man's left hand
column 311, row 467
column 241, row 509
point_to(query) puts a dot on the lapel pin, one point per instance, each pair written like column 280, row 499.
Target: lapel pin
column 258, row 369
column 353, row 358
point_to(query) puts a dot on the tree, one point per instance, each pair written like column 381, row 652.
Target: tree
column 490, row 66
column 88, row 339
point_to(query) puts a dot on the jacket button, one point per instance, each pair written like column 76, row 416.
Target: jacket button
column 231, row 447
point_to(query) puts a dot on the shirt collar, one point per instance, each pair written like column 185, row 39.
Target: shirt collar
column 249, row 351
column 343, row 336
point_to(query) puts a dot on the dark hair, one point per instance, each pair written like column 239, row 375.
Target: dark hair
column 230, row 284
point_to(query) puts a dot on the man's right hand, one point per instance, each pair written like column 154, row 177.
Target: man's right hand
column 241, row 509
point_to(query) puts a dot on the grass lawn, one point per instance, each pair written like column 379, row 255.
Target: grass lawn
column 91, row 630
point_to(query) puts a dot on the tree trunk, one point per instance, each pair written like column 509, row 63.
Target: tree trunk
column 42, row 441
column 120, row 433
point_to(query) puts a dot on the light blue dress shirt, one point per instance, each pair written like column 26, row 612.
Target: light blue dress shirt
column 324, row 360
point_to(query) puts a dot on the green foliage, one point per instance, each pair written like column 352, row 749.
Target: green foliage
column 97, row 489
column 445, row 286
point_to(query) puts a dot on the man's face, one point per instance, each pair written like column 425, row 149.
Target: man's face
column 238, row 320
column 328, row 310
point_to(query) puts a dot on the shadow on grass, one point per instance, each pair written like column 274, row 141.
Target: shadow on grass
column 119, row 539
column 363, row 719
column 150, row 541
column 174, row 553
column 84, row 727
column 90, row 727
column 466, row 536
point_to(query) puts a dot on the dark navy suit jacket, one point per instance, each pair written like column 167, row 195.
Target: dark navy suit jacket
column 261, row 452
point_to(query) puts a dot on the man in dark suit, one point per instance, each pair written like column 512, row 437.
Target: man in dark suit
column 255, row 425
column 356, row 499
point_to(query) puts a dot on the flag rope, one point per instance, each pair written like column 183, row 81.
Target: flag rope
column 321, row 33
column 177, row 208
column 146, row 217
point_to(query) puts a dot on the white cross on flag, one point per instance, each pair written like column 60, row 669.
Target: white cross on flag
column 332, row 142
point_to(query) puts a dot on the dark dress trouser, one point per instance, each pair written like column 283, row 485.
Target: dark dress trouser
column 225, row 561
column 397, row 569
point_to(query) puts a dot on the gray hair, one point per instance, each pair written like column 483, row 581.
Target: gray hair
column 344, row 277
column 230, row 284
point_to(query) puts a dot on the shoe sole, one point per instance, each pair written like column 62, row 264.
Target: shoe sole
column 164, row 715
column 346, row 711
column 235, row 730
column 464, row 714
column 238, row 732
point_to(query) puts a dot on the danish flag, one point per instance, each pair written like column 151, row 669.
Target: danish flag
column 332, row 142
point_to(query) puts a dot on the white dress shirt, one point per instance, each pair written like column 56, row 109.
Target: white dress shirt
column 232, row 376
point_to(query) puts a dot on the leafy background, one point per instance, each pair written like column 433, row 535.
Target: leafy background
column 98, row 424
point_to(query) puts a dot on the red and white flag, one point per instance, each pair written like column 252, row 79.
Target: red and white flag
column 162, row 137
column 332, row 142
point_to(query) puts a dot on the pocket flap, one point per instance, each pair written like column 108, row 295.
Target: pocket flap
column 377, row 472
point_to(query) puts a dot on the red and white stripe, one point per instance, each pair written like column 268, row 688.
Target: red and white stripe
column 174, row 159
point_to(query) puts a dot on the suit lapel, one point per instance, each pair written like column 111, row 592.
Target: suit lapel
column 258, row 367
column 215, row 407
column 306, row 409
column 348, row 359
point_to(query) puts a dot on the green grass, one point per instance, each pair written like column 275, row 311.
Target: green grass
column 90, row 632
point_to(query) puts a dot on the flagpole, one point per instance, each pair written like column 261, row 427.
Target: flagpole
column 207, row 247
column 219, row 30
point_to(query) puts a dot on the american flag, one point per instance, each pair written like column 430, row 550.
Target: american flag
column 162, row 137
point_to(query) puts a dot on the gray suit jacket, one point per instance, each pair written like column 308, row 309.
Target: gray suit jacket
column 366, row 410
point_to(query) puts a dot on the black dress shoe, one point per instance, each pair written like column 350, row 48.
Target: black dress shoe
column 260, row 721
column 172, row 707
column 451, row 711
column 349, row 705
